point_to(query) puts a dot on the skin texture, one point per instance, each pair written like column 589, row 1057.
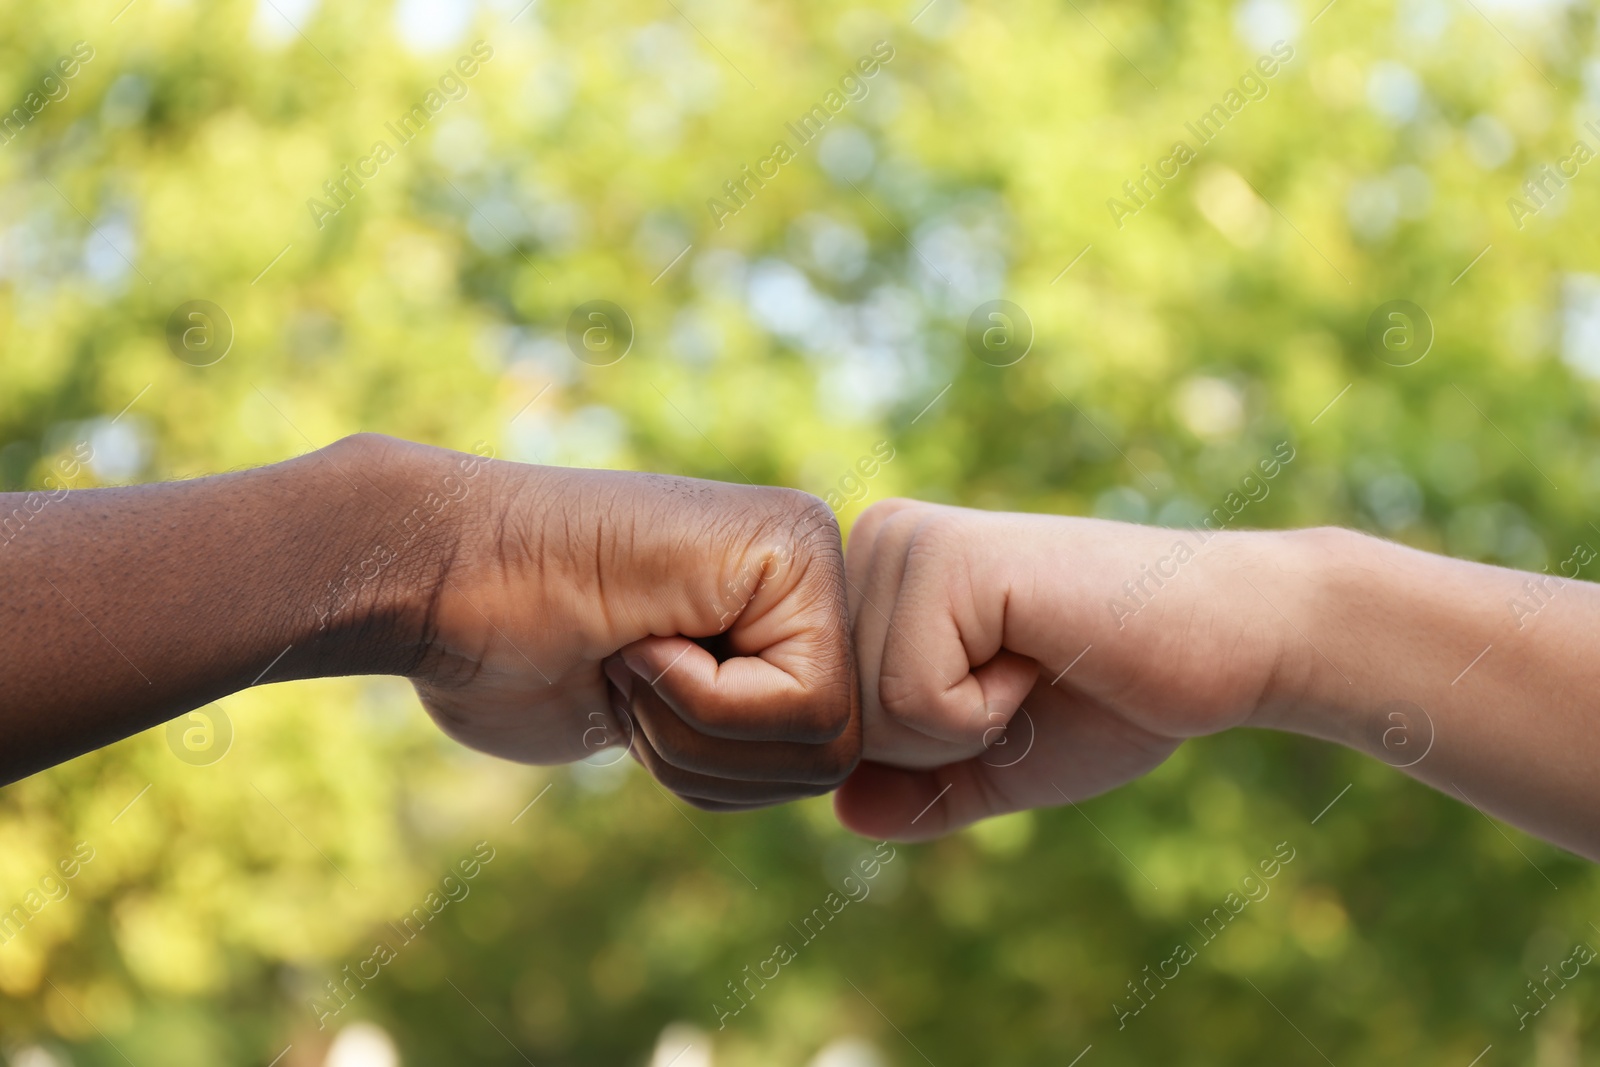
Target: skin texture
column 543, row 614
column 1006, row 661
column 960, row 618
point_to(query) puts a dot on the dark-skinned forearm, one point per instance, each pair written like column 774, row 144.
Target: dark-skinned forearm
column 124, row 607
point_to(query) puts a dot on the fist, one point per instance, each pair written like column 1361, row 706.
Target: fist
column 965, row 624
column 700, row 626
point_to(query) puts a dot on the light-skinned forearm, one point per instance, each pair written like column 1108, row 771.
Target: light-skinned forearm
column 1479, row 680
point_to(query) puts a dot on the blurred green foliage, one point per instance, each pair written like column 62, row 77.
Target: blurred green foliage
column 824, row 316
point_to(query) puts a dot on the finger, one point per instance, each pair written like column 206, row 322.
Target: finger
column 894, row 804
column 862, row 547
column 701, row 789
column 750, row 698
column 702, row 782
column 799, row 623
column 620, row 676
column 720, row 808
column 883, row 584
column 1060, row 750
column 875, row 575
column 612, row 733
column 677, row 743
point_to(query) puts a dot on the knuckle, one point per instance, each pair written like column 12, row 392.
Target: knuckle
column 839, row 764
column 915, row 703
column 708, row 713
column 825, row 718
column 823, row 768
column 936, row 532
column 673, row 750
column 810, row 520
column 802, row 790
column 785, row 507
column 798, row 501
column 817, row 790
column 900, row 520
column 899, row 697
column 677, row 779
column 671, row 754
column 884, row 509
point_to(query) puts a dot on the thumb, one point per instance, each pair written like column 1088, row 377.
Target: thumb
column 970, row 713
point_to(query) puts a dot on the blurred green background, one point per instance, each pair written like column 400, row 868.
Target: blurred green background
column 826, row 315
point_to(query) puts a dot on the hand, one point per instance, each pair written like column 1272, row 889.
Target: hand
column 963, row 622
column 700, row 625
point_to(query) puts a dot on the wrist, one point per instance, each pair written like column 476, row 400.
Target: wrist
column 389, row 540
column 1353, row 603
column 1187, row 626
